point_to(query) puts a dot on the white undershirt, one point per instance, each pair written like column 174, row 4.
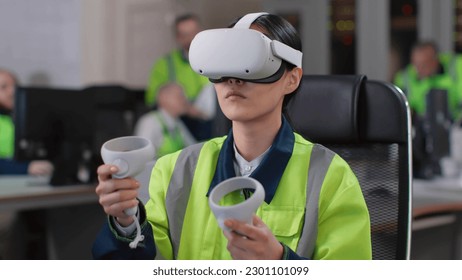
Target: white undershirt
column 244, row 168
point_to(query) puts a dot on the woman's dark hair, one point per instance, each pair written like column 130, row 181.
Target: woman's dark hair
column 277, row 28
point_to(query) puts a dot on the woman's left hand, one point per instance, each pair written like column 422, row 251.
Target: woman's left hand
column 252, row 242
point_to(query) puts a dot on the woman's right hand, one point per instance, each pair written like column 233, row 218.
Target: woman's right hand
column 116, row 195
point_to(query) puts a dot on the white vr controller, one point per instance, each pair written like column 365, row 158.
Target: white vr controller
column 242, row 211
column 130, row 154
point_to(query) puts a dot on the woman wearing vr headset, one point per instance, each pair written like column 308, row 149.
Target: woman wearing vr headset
column 177, row 222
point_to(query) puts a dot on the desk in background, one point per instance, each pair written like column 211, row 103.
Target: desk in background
column 437, row 219
column 26, row 192
column 65, row 219
column 436, row 195
column 72, row 216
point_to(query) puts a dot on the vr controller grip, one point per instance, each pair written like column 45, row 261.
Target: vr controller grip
column 131, row 211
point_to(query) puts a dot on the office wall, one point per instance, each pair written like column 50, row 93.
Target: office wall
column 121, row 39
column 313, row 17
column 83, row 42
column 76, row 43
column 39, row 40
column 373, row 39
column 436, row 22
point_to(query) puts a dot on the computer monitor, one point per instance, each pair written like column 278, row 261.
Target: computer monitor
column 432, row 135
column 56, row 125
column 439, row 121
column 115, row 112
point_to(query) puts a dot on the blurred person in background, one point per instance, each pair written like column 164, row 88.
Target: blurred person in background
column 174, row 67
column 14, row 226
column 428, row 70
column 8, row 84
column 163, row 126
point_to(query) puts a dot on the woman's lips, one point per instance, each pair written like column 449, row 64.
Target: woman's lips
column 233, row 94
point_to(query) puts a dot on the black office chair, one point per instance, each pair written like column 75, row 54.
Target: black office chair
column 368, row 124
column 115, row 112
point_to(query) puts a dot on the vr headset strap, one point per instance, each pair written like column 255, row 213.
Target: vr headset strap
column 247, row 20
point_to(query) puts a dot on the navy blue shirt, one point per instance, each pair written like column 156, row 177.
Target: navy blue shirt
column 12, row 167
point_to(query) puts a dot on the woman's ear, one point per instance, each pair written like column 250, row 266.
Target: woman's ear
column 294, row 77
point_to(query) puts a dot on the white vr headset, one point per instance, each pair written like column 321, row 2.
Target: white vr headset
column 240, row 52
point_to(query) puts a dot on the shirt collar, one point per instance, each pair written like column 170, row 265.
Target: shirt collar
column 272, row 165
column 244, row 167
column 169, row 121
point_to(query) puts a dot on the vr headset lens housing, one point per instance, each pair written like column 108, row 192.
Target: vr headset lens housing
column 244, row 54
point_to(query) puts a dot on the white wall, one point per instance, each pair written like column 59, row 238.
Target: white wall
column 40, row 40
column 122, row 39
column 314, row 33
column 81, row 42
column 436, row 22
column 75, row 43
column 373, row 39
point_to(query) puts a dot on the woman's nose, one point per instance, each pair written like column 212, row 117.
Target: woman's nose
column 235, row 81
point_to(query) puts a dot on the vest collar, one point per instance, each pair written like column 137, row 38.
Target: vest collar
column 183, row 55
column 270, row 170
column 5, row 112
column 168, row 120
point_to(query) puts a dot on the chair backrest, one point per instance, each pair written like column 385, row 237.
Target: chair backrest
column 368, row 124
column 115, row 112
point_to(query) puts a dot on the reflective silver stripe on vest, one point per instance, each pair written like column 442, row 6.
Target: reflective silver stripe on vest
column 320, row 161
column 407, row 83
column 171, row 68
column 179, row 190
